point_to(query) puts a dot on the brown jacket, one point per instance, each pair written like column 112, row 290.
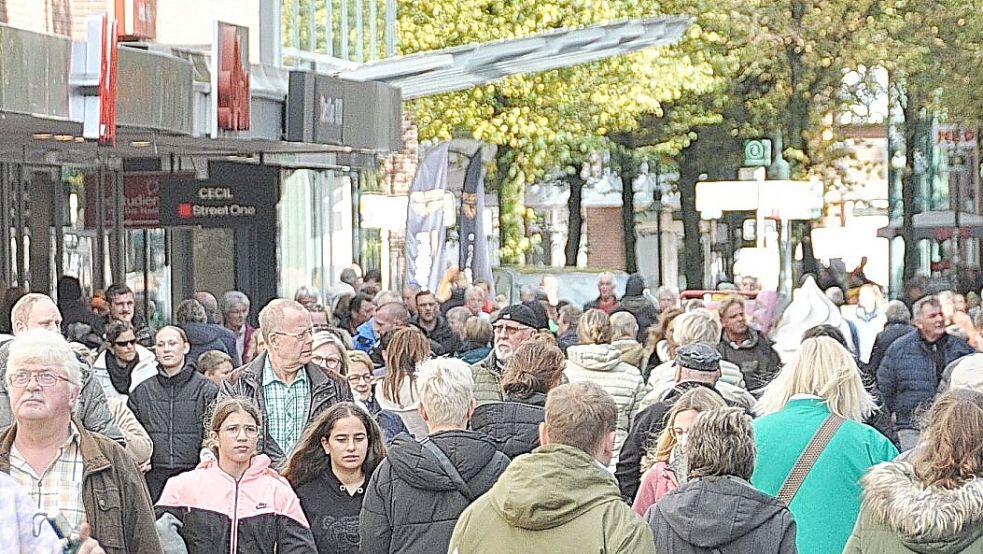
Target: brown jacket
column 117, row 505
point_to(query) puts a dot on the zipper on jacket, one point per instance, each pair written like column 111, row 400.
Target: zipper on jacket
column 170, row 429
column 234, row 539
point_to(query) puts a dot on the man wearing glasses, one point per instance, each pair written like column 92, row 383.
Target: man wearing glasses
column 513, row 326
column 84, row 477
column 288, row 388
column 37, row 311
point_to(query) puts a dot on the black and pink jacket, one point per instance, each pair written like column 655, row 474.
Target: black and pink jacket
column 210, row 512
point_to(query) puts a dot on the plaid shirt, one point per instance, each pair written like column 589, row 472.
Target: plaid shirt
column 59, row 487
column 286, row 407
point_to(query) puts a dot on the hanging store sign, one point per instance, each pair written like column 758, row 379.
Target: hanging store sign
column 230, row 78
column 327, row 110
column 234, row 195
column 100, row 109
column 137, row 19
column 141, row 199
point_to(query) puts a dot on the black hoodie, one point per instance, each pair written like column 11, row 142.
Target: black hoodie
column 723, row 515
column 411, row 503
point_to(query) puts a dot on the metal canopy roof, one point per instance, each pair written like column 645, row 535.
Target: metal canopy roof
column 463, row 67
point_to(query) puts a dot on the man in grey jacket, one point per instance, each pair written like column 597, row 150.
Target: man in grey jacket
column 38, row 311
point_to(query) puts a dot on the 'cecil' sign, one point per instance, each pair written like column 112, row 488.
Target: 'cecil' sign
column 234, row 195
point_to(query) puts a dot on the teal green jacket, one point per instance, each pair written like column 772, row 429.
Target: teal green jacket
column 828, row 502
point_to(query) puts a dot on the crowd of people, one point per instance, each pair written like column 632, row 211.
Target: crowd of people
column 447, row 421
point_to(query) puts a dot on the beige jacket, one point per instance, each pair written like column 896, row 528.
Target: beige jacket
column 138, row 443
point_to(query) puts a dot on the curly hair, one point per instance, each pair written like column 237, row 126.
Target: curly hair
column 951, row 451
column 535, row 367
column 721, row 443
column 594, row 327
column 700, row 400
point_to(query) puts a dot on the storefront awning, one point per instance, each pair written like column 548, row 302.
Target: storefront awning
column 463, row 67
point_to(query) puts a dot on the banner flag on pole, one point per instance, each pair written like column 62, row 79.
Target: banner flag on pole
column 474, row 259
column 425, row 233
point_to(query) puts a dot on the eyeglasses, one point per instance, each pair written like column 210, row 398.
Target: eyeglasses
column 44, row 379
column 130, row 342
column 305, row 334
column 330, row 363
column 252, row 431
column 507, row 331
column 366, row 378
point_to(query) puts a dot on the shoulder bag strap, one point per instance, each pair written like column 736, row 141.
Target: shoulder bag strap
column 449, row 469
column 808, row 458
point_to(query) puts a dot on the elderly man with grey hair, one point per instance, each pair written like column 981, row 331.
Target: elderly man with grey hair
column 909, row 374
column 289, row 389
column 66, row 469
column 37, row 311
column 235, row 308
column 416, row 495
column 607, row 299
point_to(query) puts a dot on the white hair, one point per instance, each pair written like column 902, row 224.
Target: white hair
column 446, row 389
column 41, row 346
column 699, row 325
column 232, row 298
column 824, row 368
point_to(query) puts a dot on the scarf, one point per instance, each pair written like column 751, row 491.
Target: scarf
column 121, row 376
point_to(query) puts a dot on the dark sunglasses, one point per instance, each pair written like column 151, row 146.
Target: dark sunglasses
column 130, row 342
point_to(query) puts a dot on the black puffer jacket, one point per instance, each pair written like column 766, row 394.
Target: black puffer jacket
column 172, row 410
column 513, row 425
column 411, row 503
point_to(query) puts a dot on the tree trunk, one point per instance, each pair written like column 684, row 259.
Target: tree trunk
column 575, row 221
column 628, row 170
column 692, row 254
column 912, row 108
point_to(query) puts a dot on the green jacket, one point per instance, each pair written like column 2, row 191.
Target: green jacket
column 487, row 380
column 826, row 505
column 556, row 499
column 901, row 514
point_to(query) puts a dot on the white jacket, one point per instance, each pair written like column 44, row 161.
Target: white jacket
column 145, row 369
column 601, row 364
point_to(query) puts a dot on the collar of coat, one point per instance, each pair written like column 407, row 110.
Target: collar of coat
column 900, row 500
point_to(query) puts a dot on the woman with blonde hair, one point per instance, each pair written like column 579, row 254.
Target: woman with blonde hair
column 596, row 359
column 669, row 469
column 397, row 392
column 818, row 401
column 935, row 501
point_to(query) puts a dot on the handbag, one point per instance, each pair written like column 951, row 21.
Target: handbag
column 808, row 458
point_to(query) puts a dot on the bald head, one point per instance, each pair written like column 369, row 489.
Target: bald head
column 35, row 311
column 389, row 316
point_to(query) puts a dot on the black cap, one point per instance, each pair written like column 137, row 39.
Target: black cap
column 519, row 314
column 698, row 356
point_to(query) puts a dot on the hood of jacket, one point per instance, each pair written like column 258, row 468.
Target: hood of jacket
column 742, row 507
column 468, row 451
column 596, row 357
column 259, row 466
column 550, row 487
column 202, row 333
column 927, row 519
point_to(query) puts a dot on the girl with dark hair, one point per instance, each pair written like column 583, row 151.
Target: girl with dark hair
column 233, row 502
column 171, row 406
column 329, row 470
column 397, row 392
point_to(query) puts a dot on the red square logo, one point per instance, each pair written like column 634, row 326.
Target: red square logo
column 184, row 211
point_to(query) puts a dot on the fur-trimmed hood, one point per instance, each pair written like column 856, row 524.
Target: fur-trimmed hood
column 926, row 519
